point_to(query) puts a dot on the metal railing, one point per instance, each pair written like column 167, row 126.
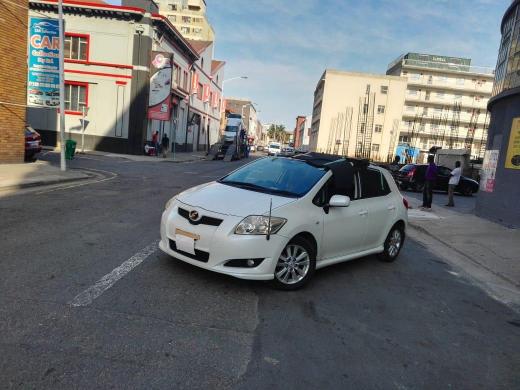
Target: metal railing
column 447, row 66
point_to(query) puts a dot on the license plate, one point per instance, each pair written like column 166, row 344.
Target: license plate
column 185, row 241
column 33, row 144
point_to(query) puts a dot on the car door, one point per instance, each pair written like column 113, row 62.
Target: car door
column 443, row 177
column 381, row 206
column 343, row 227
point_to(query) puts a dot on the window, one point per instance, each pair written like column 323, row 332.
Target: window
column 375, row 147
column 186, row 19
column 368, row 88
column 176, row 76
column 378, row 129
column 373, row 184
column 457, row 97
column 404, row 138
column 440, row 95
column 380, row 109
column 172, row 7
column 460, row 81
column 76, row 96
column 425, row 111
column 330, row 188
column 185, row 30
column 427, row 96
column 438, row 110
column 76, row 46
column 172, row 18
column 415, row 76
column 412, row 92
column 185, row 81
column 199, row 91
column 410, row 108
column 197, row 30
column 202, row 63
column 384, row 89
column 442, row 79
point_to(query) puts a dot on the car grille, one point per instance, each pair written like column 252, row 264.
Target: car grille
column 199, row 255
column 205, row 220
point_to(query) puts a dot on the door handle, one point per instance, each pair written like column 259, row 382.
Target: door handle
column 364, row 212
column 391, row 207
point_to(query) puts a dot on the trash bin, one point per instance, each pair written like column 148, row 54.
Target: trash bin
column 70, row 149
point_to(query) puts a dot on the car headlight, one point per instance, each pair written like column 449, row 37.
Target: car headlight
column 169, row 203
column 259, row 224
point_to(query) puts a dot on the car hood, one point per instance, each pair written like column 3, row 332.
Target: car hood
column 228, row 200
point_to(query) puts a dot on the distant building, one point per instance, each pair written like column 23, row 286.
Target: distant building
column 357, row 114
column 500, row 178
column 189, row 17
column 247, row 109
column 13, row 80
column 299, row 130
column 445, row 102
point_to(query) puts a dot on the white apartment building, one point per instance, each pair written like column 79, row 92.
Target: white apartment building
column 445, row 103
column 357, row 114
column 189, row 17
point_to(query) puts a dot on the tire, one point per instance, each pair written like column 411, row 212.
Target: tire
column 392, row 248
column 467, row 191
column 292, row 279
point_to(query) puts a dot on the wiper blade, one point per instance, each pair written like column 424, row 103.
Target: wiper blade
column 256, row 187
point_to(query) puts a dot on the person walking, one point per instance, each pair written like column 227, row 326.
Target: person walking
column 165, row 142
column 429, row 181
column 454, row 182
column 155, row 142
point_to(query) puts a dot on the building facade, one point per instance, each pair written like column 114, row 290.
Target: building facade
column 299, row 130
column 108, row 60
column 189, row 17
column 445, row 103
column 500, row 176
column 205, row 98
column 13, row 81
column 357, row 114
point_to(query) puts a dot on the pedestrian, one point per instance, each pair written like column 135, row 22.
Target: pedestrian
column 429, row 181
column 155, row 142
column 454, row 182
column 165, row 142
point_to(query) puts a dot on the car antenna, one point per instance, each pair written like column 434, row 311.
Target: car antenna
column 269, row 220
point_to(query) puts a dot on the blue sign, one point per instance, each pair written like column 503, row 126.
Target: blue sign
column 43, row 86
column 407, row 153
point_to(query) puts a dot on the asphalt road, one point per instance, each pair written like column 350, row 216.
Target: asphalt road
column 363, row 324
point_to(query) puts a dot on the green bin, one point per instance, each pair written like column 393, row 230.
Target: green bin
column 70, row 149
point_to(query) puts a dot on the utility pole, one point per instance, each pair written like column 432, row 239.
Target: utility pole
column 63, row 166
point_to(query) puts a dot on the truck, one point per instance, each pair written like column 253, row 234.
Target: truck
column 232, row 143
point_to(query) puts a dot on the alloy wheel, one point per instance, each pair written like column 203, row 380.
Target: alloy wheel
column 394, row 244
column 293, row 264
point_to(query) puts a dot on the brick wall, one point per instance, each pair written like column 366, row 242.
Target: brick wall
column 13, row 79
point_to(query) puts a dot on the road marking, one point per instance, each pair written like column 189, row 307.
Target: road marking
column 86, row 182
column 86, row 297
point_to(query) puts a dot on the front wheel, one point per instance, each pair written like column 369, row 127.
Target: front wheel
column 295, row 266
column 393, row 244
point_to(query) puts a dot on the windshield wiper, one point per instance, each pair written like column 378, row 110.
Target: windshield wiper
column 256, row 187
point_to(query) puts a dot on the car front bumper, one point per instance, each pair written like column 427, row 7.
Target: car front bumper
column 220, row 245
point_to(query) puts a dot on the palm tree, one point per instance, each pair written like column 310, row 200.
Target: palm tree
column 278, row 133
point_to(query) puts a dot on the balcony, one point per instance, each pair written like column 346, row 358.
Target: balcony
column 446, row 67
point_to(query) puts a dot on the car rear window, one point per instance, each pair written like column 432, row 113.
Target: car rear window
column 407, row 168
column 373, row 183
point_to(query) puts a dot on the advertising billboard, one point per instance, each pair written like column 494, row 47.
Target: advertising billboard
column 513, row 148
column 159, row 102
column 43, row 83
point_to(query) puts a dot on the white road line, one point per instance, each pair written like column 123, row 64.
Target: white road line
column 86, row 182
column 86, row 297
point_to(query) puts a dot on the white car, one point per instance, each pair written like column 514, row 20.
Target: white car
column 281, row 218
column 273, row 149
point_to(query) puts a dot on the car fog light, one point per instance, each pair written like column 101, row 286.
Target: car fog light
column 250, row 262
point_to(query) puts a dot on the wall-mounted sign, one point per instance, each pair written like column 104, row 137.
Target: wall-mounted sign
column 159, row 101
column 513, row 149
column 489, row 168
column 43, row 83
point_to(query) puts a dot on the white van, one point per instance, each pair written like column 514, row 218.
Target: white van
column 274, row 148
column 233, row 127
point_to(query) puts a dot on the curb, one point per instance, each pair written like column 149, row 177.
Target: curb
column 46, row 183
column 426, row 232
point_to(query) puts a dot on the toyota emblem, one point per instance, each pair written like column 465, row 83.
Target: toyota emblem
column 194, row 215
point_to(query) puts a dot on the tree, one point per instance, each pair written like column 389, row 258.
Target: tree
column 278, row 133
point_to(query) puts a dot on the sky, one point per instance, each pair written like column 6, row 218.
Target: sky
column 284, row 46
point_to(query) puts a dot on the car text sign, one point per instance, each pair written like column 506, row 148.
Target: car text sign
column 44, row 65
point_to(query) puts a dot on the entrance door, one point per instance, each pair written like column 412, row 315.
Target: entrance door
column 120, row 106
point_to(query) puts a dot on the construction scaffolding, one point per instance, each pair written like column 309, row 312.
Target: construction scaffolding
column 365, row 125
column 483, row 139
column 339, row 133
column 393, row 140
column 470, row 135
column 454, row 125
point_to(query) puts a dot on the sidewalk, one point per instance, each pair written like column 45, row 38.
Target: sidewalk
column 17, row 176
column 487, row 244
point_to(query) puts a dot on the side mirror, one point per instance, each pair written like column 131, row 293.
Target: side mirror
column 339, row 201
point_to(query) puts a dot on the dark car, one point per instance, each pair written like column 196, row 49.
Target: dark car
column 33, row 144
column 411, row 176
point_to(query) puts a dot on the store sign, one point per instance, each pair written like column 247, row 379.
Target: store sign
column 43, row 82
column 159, row 102
column 489, row 168
column 513, row 149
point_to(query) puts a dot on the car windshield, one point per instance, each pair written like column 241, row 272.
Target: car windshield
column 277, row 176
column 232, row 128
column 274, row 146
column 407, row 168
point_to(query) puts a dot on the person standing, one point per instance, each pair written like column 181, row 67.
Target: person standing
column 165, row 142
column 429, row 182
column 454, row 182
column 155, row 142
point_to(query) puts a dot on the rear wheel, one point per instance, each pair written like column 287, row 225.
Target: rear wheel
column 393, row 244
column 295, row 266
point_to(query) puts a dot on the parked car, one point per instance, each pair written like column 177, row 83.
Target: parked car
column 33, row 144
column 260, row 148
column 411, row 176
column 281, row 218
column 287, row 151
column 274, row 148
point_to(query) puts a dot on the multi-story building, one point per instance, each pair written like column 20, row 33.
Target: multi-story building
column 108, row 61
column 445, row 103
column 189, row 17
column 13, row 80
column 206, row 97
column 357, row 114
column 299, row 130
column 500, row 178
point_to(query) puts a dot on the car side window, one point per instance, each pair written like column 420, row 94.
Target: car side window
column 329, row 189
column 373, row 184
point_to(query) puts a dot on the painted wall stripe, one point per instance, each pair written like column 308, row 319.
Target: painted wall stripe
column 86, row 297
